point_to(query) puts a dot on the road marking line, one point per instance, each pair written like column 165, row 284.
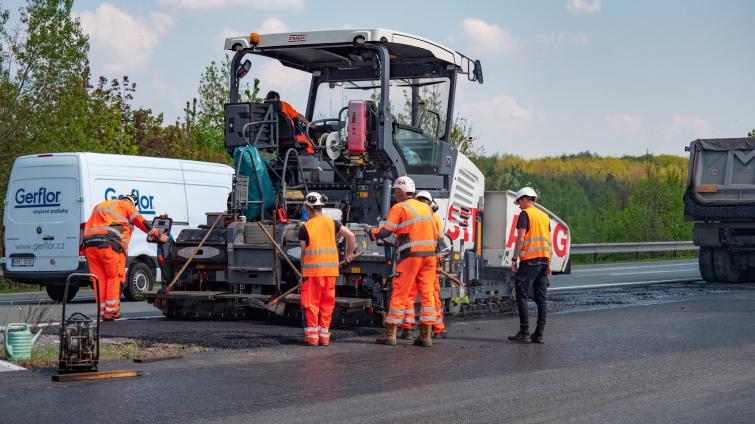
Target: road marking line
column 635, row 266
column 653, row 272
column 632, row 283
column 7, row 366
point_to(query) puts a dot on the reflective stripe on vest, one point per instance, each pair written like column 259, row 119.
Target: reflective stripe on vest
column 418, row 223
column 537, row 243
column 320, row 256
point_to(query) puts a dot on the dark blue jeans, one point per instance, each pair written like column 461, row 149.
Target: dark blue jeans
column 532, row 278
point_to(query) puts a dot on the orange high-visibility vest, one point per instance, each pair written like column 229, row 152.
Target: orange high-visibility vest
column 320, row 257
column 415, row 228
column 113, row 220
column 537, row 241
column 439, row 225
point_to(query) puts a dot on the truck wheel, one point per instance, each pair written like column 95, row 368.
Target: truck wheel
column 56, row 291
column 724, row 266
column 707, row 267
column 140, row 279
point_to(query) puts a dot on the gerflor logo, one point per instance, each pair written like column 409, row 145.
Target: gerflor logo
column 40, row 198
column 145, row 203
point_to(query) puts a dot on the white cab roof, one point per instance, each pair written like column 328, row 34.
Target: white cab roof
column 401, row 44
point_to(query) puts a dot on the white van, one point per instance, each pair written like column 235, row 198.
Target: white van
column 50, row 197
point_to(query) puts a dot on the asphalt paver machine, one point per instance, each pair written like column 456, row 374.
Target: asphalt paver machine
column 380, row 105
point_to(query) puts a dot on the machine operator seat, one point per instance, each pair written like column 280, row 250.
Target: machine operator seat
column 289, row 134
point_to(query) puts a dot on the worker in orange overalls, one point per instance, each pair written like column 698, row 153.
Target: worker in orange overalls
column 319, row 253
column 417, row 235
column 295, row 116
column 439, row 328
column 106, row 237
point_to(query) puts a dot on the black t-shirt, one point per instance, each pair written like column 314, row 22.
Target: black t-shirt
column 304, row 235
column 523, row 221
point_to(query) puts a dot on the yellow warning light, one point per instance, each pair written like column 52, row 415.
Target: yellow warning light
column 254, row 38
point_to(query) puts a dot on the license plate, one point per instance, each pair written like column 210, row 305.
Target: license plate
column 22, row 262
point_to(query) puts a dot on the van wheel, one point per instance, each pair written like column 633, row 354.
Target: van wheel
column 140, row 279
column 56, row 291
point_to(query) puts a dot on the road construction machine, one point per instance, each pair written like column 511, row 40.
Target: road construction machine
column 380, row 105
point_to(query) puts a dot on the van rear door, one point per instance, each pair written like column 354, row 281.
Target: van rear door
column 42, row 215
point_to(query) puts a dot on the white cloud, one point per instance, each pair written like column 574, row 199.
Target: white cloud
column 691, row 125
column 121, row 41
column 501, row 111
column 272, row 25
column 489, row 37
column 584, row 6
column 218, row 4
column 624, row 122
column 273, row 75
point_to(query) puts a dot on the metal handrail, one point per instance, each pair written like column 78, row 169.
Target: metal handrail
column 655, row 246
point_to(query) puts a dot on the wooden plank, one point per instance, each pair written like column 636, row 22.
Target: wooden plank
column 157, row 358
column 84, row 376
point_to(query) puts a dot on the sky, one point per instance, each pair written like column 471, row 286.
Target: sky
column 561, row 76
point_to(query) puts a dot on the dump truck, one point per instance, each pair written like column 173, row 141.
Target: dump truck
column 720, row 198
column 380, row 105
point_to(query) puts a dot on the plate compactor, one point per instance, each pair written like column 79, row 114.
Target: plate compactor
column 79, row 336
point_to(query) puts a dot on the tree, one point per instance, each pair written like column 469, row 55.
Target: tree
column 44, row 103
column 751, row 133
column 214, row 91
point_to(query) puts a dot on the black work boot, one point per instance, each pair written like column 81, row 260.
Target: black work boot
column 523, row 336
column 537, row 336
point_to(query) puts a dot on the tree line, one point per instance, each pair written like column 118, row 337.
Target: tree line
column 602, row 199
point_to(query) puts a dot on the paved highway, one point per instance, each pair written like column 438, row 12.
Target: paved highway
column 627, row 274
column 685, row 360
column 583, row 276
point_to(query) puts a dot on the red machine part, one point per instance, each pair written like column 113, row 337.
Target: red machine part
column 357, row 126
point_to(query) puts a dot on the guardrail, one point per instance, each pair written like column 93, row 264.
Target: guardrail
column 657, row 246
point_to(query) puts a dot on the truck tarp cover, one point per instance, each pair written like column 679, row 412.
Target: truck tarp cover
column 725, row 144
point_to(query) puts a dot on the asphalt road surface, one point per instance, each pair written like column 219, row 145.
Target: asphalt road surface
column 669, row 353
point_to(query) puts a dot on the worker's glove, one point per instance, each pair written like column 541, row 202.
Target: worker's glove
column 163, row 238
column 154, row 233
column 370, row 232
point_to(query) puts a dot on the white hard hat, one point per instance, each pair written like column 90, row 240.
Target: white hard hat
column 425, row 195
column 315, row 199
column 525, row 191
column 404, row 184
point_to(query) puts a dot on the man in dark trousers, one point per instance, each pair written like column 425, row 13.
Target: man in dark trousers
column 533, row 249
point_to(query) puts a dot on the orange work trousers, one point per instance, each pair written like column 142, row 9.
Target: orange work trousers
column 409, row 320
column 110, row 268
column 414, row 273
column 318, row 299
